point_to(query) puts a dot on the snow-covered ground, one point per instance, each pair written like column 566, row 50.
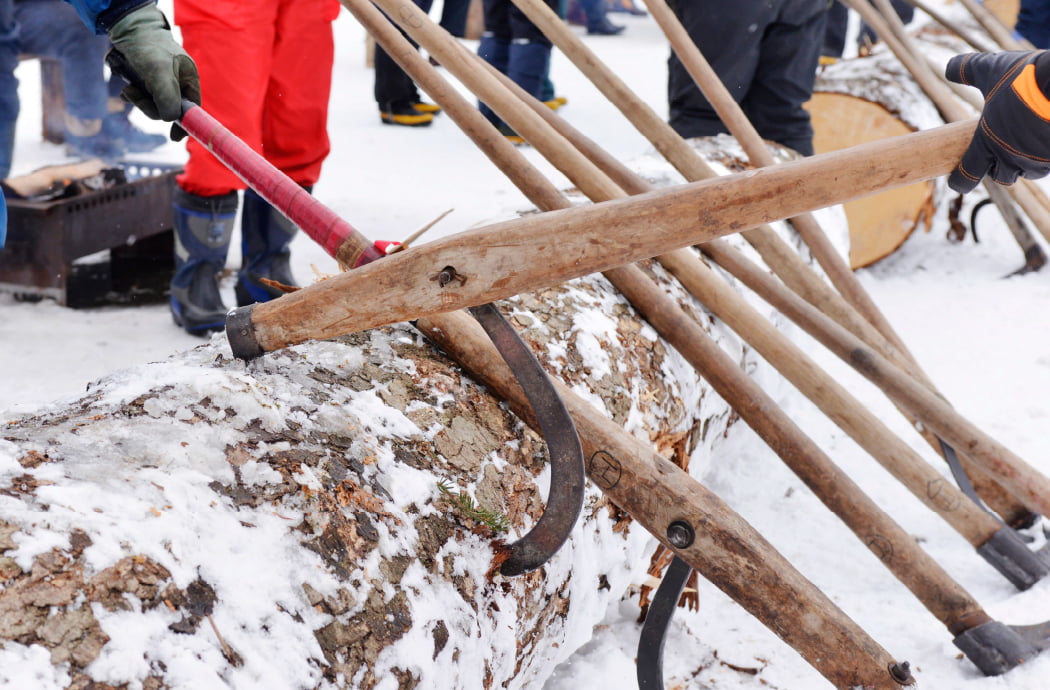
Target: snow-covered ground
column 980, row 337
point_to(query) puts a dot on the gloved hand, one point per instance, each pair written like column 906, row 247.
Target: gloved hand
column 165, row 72
column 1013, row 135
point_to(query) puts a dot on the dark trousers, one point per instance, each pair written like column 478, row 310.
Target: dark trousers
column 454, row 17
column 1033, row 22
column 392, row 84
column 765, row 52
column 503, row 20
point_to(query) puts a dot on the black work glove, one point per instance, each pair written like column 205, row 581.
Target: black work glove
column 164, row 74
column 1013, row 135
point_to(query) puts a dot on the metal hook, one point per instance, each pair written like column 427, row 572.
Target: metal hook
column 565, row 500
column 651, row 642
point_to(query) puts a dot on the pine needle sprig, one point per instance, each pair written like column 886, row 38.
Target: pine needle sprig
column 468, row 508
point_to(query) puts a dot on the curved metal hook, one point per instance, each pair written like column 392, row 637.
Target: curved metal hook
column 651, row 642
column 565, row 499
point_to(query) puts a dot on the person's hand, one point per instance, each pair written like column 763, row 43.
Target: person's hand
column 164, row 73
column 1013, row 135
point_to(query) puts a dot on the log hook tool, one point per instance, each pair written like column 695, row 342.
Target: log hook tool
column 352, row 249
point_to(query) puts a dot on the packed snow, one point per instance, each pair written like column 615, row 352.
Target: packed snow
column 980, row 336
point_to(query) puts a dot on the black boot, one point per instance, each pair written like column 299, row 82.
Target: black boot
column 203, row 228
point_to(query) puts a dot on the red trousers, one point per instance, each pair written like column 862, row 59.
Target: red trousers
column 266, row 74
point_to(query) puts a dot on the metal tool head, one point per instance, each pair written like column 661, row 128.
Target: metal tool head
column 565, row 499
column 995, row 647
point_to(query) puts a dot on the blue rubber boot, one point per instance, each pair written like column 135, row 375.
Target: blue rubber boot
column 203, row 228
column 496, row 52
column 265, row 236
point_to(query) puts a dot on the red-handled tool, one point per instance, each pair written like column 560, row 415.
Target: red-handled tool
column 340, row 239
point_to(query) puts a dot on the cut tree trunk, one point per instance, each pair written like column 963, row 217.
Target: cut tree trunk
column 294, row 523
column 863, row 100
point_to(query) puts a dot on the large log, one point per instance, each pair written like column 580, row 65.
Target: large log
column 280, row 523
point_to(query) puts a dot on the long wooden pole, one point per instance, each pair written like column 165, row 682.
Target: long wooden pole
column 952, row 26
column 994, row 26
column 1008, row 469
column 511, row 257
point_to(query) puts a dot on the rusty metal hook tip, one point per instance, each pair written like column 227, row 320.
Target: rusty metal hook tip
column 565, row 499
column 650, row 666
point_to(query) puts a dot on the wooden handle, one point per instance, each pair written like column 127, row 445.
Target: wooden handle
column 530, row 253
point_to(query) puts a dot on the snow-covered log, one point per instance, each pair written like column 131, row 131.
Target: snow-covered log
column 325, row 516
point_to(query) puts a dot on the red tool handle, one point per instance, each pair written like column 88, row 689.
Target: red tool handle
column 340, row 239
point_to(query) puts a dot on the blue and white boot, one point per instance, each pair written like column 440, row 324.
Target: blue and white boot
column 203, row 228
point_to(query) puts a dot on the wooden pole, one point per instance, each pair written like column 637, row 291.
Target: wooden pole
column 995, row 27
column 530, row 253
column 952, row 26
column 1008, row 469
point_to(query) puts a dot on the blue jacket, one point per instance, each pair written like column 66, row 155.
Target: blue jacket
column 100, row 15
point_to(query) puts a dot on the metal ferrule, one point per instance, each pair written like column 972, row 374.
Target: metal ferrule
column 995, row 648
column 240, row 332
column 1008, row 554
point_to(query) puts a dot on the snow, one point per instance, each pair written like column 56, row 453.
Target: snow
column 980, row 337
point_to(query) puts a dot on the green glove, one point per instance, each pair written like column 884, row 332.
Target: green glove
column 167, row 74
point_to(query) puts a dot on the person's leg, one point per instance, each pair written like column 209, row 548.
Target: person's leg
column 9, row 105
column 835, row 28
column 395, row 92
column 53, row 29
column 1033, row 22
column 117, row 124
column 295, row 140
column 784, row 79
column 216, row 35
column 598, row 23
column 728, row 36
column 494, row 47
column 203, row 228
column 454, row 17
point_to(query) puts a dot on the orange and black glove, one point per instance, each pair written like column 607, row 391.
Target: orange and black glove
column 1013, row 135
